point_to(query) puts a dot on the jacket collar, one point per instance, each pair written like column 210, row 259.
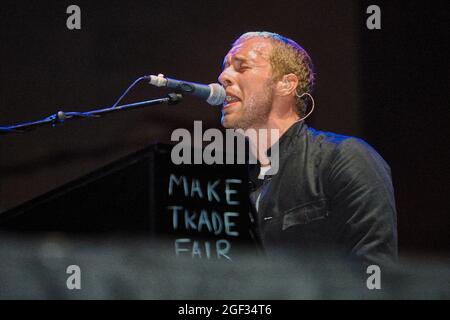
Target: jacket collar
column 284, row 149
column 285, row 141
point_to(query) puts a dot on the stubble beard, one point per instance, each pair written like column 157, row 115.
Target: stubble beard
column 256, row 111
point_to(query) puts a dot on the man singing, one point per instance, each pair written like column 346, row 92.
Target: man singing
column 330, row 193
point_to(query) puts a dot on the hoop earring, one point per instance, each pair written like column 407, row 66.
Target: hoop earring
column 312, row 107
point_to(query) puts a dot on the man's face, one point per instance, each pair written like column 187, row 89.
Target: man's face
column 247, row 78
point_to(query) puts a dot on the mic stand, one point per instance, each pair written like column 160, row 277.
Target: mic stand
column 61, row 116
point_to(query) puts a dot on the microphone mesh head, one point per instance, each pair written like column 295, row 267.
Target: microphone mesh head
column 217, row 95
column 158, row 81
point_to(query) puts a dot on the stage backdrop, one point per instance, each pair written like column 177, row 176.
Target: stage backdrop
column 45, row 67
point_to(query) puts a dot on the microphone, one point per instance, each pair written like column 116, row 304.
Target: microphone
column 213, row 93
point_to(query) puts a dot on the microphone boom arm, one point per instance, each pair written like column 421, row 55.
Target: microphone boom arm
column 61, row 116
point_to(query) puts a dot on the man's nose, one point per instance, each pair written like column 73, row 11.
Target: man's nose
column 225, row 78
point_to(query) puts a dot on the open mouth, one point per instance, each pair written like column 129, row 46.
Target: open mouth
column 230, row 100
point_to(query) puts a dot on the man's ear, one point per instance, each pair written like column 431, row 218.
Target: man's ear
column 287, row 85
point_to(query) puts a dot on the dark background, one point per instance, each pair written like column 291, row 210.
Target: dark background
column 389, row 87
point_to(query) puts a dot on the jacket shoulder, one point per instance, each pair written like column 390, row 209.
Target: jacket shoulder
column 340, row 147
column 339, row 142
column 328, row 137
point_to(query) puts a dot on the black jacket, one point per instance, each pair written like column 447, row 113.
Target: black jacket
column 332, row 193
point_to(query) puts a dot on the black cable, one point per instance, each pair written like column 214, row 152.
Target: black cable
column 60, row 116
column 128, row 89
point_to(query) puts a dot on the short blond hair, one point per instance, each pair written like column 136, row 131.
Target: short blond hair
column 288, row 56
